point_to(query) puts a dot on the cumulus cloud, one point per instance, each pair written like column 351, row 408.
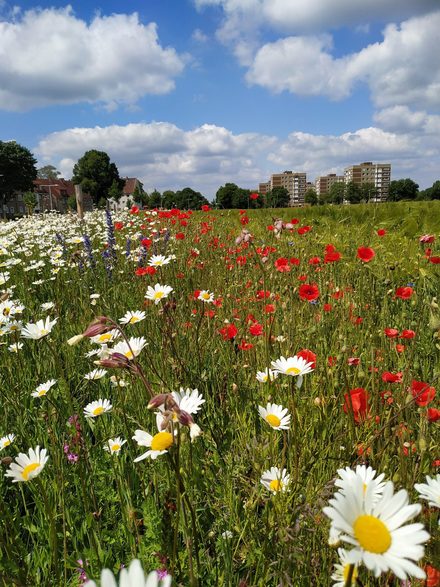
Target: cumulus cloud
column 296, row 16
column 402, row 69
column 52, row 57
column 164, row 156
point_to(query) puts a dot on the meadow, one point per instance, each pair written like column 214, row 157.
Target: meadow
column 101, row 364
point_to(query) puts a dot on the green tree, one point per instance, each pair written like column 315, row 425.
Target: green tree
column 168, row 199
column 17, row 170
column 368, row 191
column 403, row 189
column 115, row 191
column 154, row 199
column 311, row 197
column 30, row 201
column 96, row 174
column 353, row 193
column 140, row 195
column 434, row 191
column 189, row 199
column 48, row 172
column 227, row 196
column 336, row 193
column 279, row 197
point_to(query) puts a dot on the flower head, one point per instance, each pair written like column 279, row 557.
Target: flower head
column 275, row 479
column 132, row 317
column 131, row 349
column 266, row 375
column 292, row 366
column 114, row 445
column 6, row 440
column 43, row 388
column 158, row 444
column 28, row 466
column 134, row 576
column 96, row 408
column 276, row 416
column 430, row 490
column 158, row 292
column 158, row 260
column 39, row 329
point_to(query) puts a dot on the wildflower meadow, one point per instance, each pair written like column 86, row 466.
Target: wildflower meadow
column 222, row 397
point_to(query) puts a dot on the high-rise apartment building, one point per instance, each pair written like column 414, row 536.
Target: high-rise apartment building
column 324, row 183
column 378, row 174
column 295, row 183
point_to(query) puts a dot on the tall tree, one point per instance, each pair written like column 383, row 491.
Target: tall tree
column 311, row 197
column 337, row 193
column 434, row 191
column 279, row 197
column 353, row 192
column 48, row 172
column 403, row 189
column 96, row 174
column 17, row 170
column 188, row 199
column 368, row 191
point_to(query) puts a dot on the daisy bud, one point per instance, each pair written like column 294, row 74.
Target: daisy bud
column 98, row 326
column 157, row 401
column 75, row 339
column 185, row 419
column 115, row 361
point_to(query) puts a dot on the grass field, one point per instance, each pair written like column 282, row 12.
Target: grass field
column 209, row 511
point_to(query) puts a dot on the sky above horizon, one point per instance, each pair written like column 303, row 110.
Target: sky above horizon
column 201, row 92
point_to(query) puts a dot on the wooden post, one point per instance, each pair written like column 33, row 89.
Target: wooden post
column 79, row 201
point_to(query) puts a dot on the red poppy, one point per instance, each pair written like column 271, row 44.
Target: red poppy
column 422, row 393
column 282, row 265
column 229, row 332
column 327, row 307
column 365, row 254
column 435, row 260
column 180, row 236
column 304, row 229
column 315, row 261
column 205, row 208
column 433, row 414
column 388, row 377
column 381, row 232
column 400, row 348
column 404, row 293
column 146, row 242
column 308, row 356
column 245, row 346
column 134, row 210
column 332, row 257
column 294, row 221
column 262, row 294
column 309, row 292
column 432, row 576
column 119, row 225
column 353, row 361
column 357, row 402
column 408, row 334
column 254, row 196
column 294, row 261
column 269, row 308
column 256, row 329
column 427, row 238
column 391, row 332
column 145, row 270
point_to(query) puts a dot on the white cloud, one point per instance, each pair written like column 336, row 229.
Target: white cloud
column 52, row 57
column 402, row 69
column 296, row 16
column 165, row 156
column 199, row 36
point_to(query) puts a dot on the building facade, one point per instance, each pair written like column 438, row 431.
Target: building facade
column 378, row 174
column 324, row 183
column 295, row 182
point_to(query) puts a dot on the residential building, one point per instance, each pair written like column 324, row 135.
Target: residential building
column 295, row 183
column 378, row 174
column 324, row 183
column 128, row 197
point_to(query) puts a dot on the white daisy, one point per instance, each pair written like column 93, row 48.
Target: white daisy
column 158, row 261
column 367, row 474
column 95, row 374
column 275, row 479
column 114, row 445
column 43, row 388
column 292, row 366
column 188, row 400
column 430, row 490
column 27, row 466
column 97, row 408
column 158, row 292
column 375, row 528
column 266, row 375
column 14, row 348
column 206, row 296
column 276, row 416
column 39, row 329
column 158, row 444
column 47, row 306
column 132, row 577
column 131, row 349
column 105, row 337
column 132, row 317
column 6, row 440
column 340, row 574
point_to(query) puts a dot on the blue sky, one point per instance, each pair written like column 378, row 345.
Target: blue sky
column 201, row 92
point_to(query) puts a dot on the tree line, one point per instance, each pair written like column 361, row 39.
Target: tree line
column 99, row 177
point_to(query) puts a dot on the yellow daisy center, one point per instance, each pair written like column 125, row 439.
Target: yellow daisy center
column 158, row 263
column 206, row 296
column 105, row 337
column 273, row 420
column 293, row 371
column 129, row 355
column 276, row 485
column 162, row 441
column 133, row 319
column 98, row 411
column 158, row 295
column 6, row 443
column 42, row 392
column 44, row 332
column 28, row 470
column 347, row 570
column 116, row 447
column 372, row 534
